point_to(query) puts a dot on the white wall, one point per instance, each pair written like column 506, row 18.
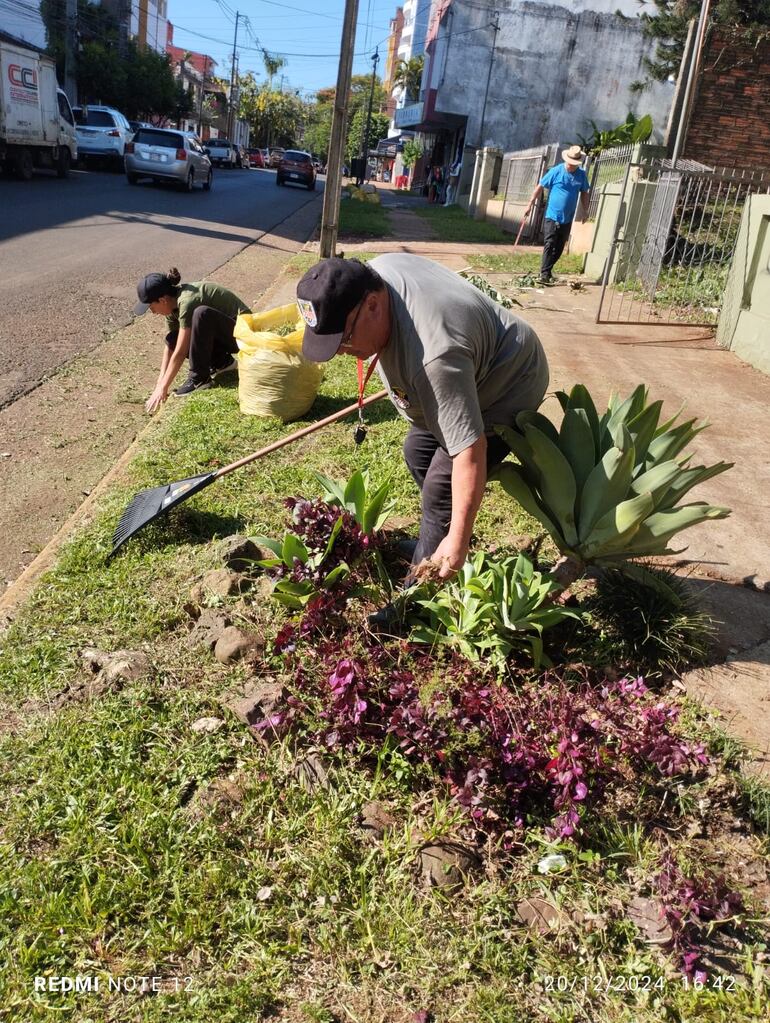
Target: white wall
column 557, row 64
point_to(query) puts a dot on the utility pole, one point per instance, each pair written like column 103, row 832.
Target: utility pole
column 231, row 114
column 70, row 47
column 496, row 26
column 375, row 61
column 684, row 117
column 331, row 208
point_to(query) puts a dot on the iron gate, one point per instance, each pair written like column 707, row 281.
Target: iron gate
column 673, row 242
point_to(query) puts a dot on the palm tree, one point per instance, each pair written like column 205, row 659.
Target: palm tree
column 272, row 66
column 408, row 75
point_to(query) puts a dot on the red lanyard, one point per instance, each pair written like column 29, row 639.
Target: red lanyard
column 362, row 382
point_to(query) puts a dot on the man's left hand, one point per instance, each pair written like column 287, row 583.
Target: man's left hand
column 450, row 557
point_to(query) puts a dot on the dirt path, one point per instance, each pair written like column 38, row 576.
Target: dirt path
column 59, row 440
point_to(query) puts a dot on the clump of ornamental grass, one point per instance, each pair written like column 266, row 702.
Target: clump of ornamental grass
column 650, row 618
column 543, row 753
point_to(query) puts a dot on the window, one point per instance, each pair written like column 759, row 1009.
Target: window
column 296, row 156
column 166, row 139
column 99, row 119
column 64, row 109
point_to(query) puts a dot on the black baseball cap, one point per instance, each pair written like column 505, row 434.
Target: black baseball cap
column 325, row 297
column 150, row 289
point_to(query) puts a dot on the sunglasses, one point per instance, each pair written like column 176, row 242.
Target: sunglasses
column 346, row 338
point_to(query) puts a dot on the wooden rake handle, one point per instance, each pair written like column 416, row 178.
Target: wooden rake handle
column 297, row 435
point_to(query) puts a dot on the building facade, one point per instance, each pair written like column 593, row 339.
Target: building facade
column 519, row 74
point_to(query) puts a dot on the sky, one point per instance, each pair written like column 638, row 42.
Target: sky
column 308, row 32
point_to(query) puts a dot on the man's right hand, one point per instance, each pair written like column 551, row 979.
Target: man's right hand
column 156, row 399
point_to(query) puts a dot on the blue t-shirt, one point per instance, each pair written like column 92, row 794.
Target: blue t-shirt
column 564, row 189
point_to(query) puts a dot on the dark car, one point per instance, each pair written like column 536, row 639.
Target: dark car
column 296, row 168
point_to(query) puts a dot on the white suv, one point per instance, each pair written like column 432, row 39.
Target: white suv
column 102, row 131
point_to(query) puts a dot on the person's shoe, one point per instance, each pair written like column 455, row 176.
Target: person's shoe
column 406, row 548
column 388, row 619
column 545, row 280
column 191, row 385
column 230, row 365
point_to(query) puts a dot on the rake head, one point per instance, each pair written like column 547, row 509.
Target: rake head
column 151, row 504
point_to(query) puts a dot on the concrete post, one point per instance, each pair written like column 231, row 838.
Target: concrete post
column 481, row 188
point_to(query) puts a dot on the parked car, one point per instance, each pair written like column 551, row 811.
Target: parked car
column 241, row 157
column 222, row 152
column 296, row 167
column 275, row 157
column 101, row 131
column 256, row 159
column 136, row 125
column 167, row 155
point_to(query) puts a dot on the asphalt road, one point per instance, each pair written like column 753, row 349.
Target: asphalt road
column 72, row 251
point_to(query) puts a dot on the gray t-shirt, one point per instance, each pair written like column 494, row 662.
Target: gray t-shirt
column 457, row 363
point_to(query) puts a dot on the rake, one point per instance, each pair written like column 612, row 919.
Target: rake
column 149, row 505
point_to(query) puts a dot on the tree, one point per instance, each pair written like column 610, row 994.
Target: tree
column 667, row 25
column 275, row 118
column 408, row 76
column 378, row 129
column 272, row 66
column 411, row 154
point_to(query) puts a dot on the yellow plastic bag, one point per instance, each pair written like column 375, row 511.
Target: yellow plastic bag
column 274, row 377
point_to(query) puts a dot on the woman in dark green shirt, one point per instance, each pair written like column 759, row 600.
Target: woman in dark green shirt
column 200, row 318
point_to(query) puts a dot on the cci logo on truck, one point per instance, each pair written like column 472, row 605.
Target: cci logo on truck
column 23, row 83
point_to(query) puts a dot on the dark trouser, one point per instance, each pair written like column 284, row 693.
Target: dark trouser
column 431, row 468
column 212, row 344
column 556, row 236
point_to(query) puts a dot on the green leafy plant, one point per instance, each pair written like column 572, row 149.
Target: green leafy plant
column 632, row 130
column 490, row 608
column 292, row 555
column 411, row 154
column 370, row 506
column 607, row 488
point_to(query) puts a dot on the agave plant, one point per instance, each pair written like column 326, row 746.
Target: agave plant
column 489, row 608
column 607, row 488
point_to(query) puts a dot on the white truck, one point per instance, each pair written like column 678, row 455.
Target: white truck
column 37, row 128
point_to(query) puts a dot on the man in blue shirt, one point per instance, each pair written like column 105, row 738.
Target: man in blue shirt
column 565, row 183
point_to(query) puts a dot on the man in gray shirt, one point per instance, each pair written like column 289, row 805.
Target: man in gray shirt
column 455, row 364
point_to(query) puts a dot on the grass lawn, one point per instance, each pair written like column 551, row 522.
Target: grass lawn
column 133, row 845
column 521, row 262
column 452, row 224
column 359, row 219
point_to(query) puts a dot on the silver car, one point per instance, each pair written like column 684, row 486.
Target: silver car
column 165, row 154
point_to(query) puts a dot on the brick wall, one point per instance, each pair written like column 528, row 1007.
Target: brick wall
column 730, row 123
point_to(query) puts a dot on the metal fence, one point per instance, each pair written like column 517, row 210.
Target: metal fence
column 673, row 242
column 607, row 168
column 520, row 173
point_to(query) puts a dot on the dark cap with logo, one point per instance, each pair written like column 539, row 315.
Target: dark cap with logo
column 326, row 295
column 150, row 289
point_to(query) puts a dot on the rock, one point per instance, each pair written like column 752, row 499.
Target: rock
column 540, row 916
column 368, row 189
column 646, row 915
column 208, row 629
column 234, row 644
column 311, row 773
column 221, row 582
column 239, row 553
column 207, row 725
column 119, row 665
column 376, row 820
column 257, row 703
column 446, row 864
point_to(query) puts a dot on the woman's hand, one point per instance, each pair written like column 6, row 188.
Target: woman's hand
column 156, row 399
